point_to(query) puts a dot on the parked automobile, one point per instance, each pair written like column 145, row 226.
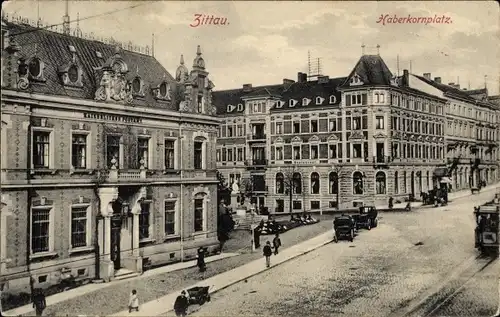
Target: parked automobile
column 344, row 228
column 366, row 218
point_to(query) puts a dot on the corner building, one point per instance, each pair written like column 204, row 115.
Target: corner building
column 108, row 161
column 341, row 142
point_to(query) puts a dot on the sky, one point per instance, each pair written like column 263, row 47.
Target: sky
column 264, row 42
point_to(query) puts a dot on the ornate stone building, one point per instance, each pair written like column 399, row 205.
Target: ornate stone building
column 108, row 161
column 320, row 144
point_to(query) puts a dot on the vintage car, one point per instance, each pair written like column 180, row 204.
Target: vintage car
column 344, row 227
column 366, row 218
column 487, row 228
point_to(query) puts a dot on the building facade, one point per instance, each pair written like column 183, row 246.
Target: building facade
column 108, row 161
column 309, row 145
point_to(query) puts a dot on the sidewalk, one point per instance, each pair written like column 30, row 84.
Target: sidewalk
column 451, row 197
column 164, row 304
column 79, row 291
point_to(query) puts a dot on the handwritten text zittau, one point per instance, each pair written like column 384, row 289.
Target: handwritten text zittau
column 204, row 19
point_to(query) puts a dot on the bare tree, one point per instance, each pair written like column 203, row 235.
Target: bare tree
column 292, row 185
column 246, row 189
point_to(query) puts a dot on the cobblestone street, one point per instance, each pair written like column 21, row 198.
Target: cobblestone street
column 421, row 263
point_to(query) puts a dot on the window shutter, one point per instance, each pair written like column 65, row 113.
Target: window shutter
column 363, row 99
column 287, row 151
column 272, row 152
column 287, row 127
column 305, row 152
column 348, row 123
column 365, row 122
column 323, row 151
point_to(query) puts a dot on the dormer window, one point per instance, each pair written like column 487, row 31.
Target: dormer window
column 319, row 100
column 305, row 101
column 98, row 54
column 72, row 49
column 240, row 107
column 136, row 85
column 356, row 80
column 163, row 91
column 333, row 99
column 73, row 74
column 291, row 103
column 35, row 68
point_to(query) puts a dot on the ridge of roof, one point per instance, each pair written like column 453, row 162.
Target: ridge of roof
column 372, row 70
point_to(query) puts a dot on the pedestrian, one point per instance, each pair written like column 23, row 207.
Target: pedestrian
column 39, row 302
column 276, row 243
column 1, row 290
column 267, row 253
column 181, row 305
column 201, row 259
column 133, row 302
column 391, row 202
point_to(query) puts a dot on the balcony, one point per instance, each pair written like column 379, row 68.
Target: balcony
column 256, row 163
column 259, row 137
column 116, row 175
column 381, row 160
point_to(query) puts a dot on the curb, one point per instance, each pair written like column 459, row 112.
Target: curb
column 317, row 246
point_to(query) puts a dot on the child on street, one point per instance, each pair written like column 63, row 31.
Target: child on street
column 267, row 253
column 133, row 302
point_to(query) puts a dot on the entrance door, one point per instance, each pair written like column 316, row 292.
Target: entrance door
column 116, row 227
column 261, row 202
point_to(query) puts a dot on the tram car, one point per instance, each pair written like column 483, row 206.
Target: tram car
column 487, row 228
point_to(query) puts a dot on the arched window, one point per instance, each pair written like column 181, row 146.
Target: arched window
column 297, row 183
column 333, row 179
column 396, row 183
column 357, row 183
column 377, row 98
column 382, row 98
column 280, row 184
column 380, row 183
column 314, row 183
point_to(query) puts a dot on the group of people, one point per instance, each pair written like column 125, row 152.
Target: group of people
column 268, row 250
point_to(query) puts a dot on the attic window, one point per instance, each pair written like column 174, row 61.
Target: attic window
column 230, row 108
column 73, row 74
column 35, row 68
column 164, row 90
column 318, row 100
column 72, row 49
column 136, row 85
column 240, row 107
column 98, row 54
column 355, row 80
column 304, row 101
column 333, row 99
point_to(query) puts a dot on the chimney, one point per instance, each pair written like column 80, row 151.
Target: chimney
column 437, row 80
column 301, row 77
column 427, row 76
column 323, row 79
column 406, row 78
column 287, row 82
column 247, row 87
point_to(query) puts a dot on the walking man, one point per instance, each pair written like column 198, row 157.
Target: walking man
column 181, row 305
column 39, row 302
column 267, row 253
column 133, row 302
column 276, row 243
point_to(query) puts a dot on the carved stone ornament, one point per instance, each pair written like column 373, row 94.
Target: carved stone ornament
column 113, row 87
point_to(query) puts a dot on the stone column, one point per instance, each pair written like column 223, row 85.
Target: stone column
column 107, row 195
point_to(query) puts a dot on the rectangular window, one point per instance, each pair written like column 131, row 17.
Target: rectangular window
column 240, row 130
column 170, row 217
column 332, row 125
column 296, row 152
column 229, row 155
column 169, row 154
column 143, row 152
column 332, row 151
column 113, row 151
column 379, row 122
column 314, row 126
column 356, row 123
column 79, row 151
column 279, row 128
column 198, row 215
column 229, row 131
column 40, row 234
column 315, row 205
column 78, row 227
column 297, row 205
column 296, row 127
column 198, row 155
column 356, row 151
column 41, row 149
column 279, row 153
column 239, row 152
column 314, row 152
column 200, row 104
column 144, row 222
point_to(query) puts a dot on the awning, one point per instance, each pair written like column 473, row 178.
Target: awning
column 440, row 171
column 445, row 180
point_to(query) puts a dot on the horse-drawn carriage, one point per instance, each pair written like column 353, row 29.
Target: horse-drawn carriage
column 367, row 217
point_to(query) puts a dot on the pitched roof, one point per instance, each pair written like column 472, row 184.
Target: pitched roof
column 285, row 92
column 53, row 50
column 448, row 90
column 372, row 70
